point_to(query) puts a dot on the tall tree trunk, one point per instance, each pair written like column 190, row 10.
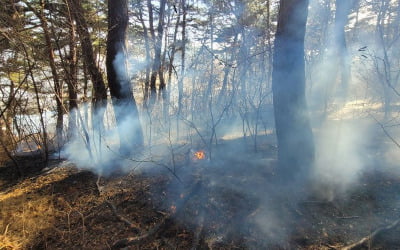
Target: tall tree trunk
column 153, row 75
column 293, row 130
column 227, row 69
column 173, row 49
column 157, row 54
column 243, row 66
column 269, row 42
column 85, row 95
column 10, row 111
column 162, row 92
column 125, row 109
column 383, row 66
column 99, row 99
column 211, row 78
column 53, row 67
column 183, row 51
column 147, row 47
column 341, row 17
column 72, row 82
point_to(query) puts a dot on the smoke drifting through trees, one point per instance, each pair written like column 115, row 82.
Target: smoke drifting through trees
column 235, row 38
column 217, row 61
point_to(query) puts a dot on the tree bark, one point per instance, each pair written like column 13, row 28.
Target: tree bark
column 341, row 17
column 99, row 99
column 153, row 75
column 293, row 130
column 173, row 49
column 183, row 53
column 56, row 79
column 125, row 109
column 211, row 77
column 71, row 76
column 383, row 66
column 227, row 69
column 147, row 47
column 157, row 54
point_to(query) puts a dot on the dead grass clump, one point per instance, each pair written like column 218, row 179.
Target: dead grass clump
column 23, row 218
column 9, row 242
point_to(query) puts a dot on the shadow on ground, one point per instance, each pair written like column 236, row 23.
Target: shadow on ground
column 216, row 204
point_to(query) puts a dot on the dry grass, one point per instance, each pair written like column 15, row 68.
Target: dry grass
column 23, row 218
column 44, row 210
column 25, row 212
column 63, row 208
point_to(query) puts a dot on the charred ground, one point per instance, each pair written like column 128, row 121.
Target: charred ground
column 57, row 206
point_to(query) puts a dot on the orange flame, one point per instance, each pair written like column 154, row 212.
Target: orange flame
column 200, row 155
column 173, row 208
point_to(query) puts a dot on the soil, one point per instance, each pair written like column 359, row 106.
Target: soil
column 213, row 203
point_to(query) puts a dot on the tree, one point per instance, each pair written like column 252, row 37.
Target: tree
column 332, row 73
column 293, row 130
column 183, row 50
column 343, row 8
column 147, row 48
column 386, row 63
column 52, row 61
column 126, row 112
column 71, row 74
column 99, row 87
column 156, row 69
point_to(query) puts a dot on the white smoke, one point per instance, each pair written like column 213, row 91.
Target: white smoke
column 341, row 156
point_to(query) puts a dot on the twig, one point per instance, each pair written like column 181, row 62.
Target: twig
column 323, row 202
column 386, row 132
column 6, row 230
column 347, row 217
column 11, row 98
column 330, row 246
column 139, row 239
column 122, row 218
column 145, row 161
column 192, row 125
column 145, row 237
column 372, row 236
column 99, row 187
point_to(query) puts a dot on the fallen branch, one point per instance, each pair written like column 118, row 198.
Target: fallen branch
column 347, row 217
column 386, row 132
column 139, row 239
column 155, row 230
column 122, row 218
column 372, row 236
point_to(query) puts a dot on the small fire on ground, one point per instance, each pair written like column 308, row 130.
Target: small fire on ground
column 199, row 155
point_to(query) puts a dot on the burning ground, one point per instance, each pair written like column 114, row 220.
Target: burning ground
column 226, row 202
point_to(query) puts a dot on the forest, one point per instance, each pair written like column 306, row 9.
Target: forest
column 200, row 124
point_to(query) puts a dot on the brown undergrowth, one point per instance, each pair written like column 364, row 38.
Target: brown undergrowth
column 238, row 207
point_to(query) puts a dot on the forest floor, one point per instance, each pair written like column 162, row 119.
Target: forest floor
column 223, row 203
